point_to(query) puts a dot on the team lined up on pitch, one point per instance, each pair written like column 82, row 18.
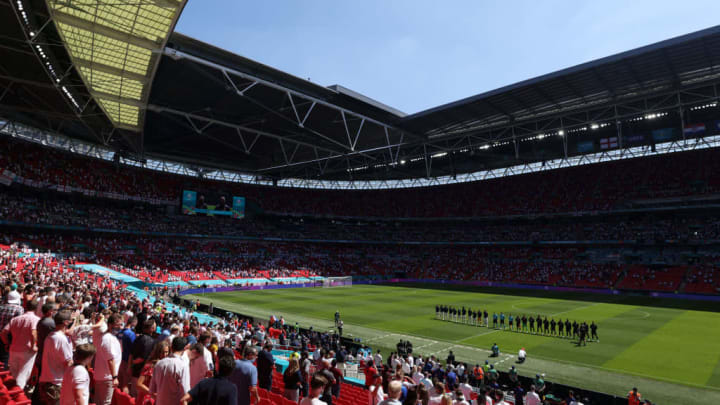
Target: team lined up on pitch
column 521, row 323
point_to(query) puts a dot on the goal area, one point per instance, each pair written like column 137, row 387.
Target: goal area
column 337, row 281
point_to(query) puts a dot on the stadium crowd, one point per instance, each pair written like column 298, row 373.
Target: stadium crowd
column 102, row 214
column 584, row 188
column 70, row 333
column 76, row 338
column 168, row 259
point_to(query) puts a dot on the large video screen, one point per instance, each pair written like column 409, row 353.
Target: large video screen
column 212, row 204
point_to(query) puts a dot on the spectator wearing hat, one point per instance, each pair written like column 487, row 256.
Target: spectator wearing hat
column 540, row 383
column 522, row 354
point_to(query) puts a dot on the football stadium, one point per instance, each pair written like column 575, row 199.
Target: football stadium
column 180, row 224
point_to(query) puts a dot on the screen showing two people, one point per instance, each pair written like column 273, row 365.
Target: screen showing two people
column 212, row 204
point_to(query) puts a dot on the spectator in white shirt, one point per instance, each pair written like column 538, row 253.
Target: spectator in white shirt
column 23, row 347
column 57, row 357
column 532, row 398
column 171, row 376
column 465, row 388
column 76, row 380
column 107, row 362
column 406, row 366
column 378, row 359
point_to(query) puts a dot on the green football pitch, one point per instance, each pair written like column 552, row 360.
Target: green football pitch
column 672, row 355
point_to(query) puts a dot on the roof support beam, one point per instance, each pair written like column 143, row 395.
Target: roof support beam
column 122, row 100
column 70, row 19
column 274, row 111
column 160, row 109
column 338, row 155
column 283, row 117
column 352, row 142
column 34, row 83
column 176, row 54
column 78, row 62
column 247, row 148
column 165, row 3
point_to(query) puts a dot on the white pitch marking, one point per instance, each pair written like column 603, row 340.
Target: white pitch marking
column 379, row 337
column 479, row 334
column 429, row 344
column 442, row 350
column 574, row 309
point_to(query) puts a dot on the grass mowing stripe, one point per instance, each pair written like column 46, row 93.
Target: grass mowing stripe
column 392, row 313
column 714, row 380
column 689, row 356
column 562, row 371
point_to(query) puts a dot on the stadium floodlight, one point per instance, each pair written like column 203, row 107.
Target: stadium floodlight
column 402, row 162
column 439, row 155
column 561, row 132
column 594, row 126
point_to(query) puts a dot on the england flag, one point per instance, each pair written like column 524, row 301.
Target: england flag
column 609, row 143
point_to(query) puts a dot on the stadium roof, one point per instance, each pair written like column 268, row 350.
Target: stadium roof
column 207, row 107
column 115, row 47
column 672, row 63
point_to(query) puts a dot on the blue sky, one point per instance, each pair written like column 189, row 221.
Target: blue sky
column 417, row 54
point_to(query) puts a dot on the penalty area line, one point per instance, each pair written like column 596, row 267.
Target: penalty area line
column 380, row 337
column 479, row 334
